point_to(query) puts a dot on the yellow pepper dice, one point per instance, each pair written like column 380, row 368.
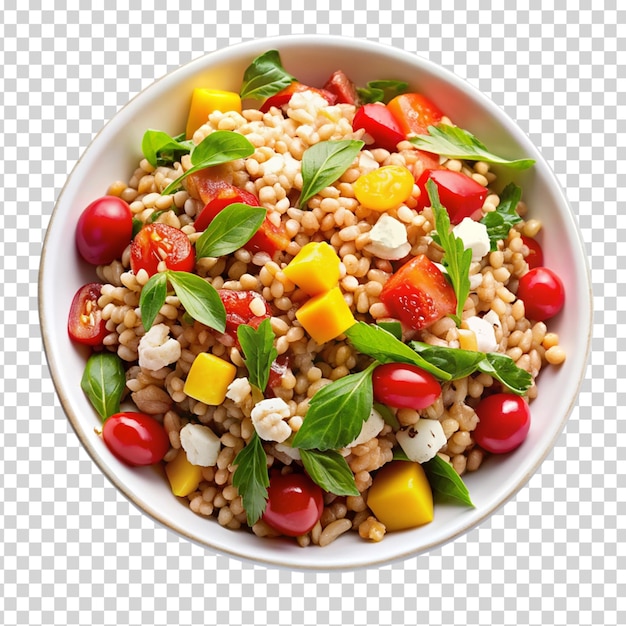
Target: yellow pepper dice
column 385, row 188
column 400, row 496
column 183, row 476
column 315, row 269
column 467, row 339
column 325, row 316
column 208, row 379
column 204, row 102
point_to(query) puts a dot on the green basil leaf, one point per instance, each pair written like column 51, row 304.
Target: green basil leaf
column 252, row 478
column 381, row 345
column 265, row 77
column 221, row 146
column 152, row 298
column 199, row 298
column 456, row 259
column 336, row 413
column 503, row 368
column 161, row 149
column 330, row 471
column 103, row 382
column 446, row 484
column 456, row 143
column 230, row 229
column 387, row 414
column 395, row 328
column 500, row 221
column 456, row 362
column 259, row 351
column 323, row 163
column 381, row 90
column 400, row 455
column 137, row 226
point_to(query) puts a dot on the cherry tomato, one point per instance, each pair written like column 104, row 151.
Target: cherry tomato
column 404, row 386
column 237, row 305
column 159, row 242
column 542, row 292
column 103, row 230
column 342, row 88
column 295, row 504
column 535, row 253
column 228, row 194
column 269, row 238
column 418, row 294
column 504, row 421
column 135, row 438
column 458, row 193
column 283, row 97
column 85, row 323
column 414, row 112
column 206, row 183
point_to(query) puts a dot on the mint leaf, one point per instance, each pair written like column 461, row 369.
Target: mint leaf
column 500, row 221
column 103, row 382
column 259, row 351
column 252, row 479
column 152, row 298
column 265, row 77
column 446, row 484
column 330, row 471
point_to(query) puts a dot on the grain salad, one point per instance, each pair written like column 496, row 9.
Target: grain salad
column 364, row 333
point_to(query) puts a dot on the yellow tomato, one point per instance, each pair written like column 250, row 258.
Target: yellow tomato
column 385, row 188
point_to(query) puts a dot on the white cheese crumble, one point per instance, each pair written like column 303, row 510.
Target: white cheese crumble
column 157, row 349
column 474, row 236
column 422, row 441
column 268, row 418
column 388, row 239
column 201, row 444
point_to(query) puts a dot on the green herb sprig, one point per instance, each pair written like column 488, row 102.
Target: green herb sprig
column 446, row 483
column 500, row 221
column 159, row 148
column 330, row 471
column 265, row 77
column 259, row 352
column 381, row 90
column 103, row 382
column 251, row 478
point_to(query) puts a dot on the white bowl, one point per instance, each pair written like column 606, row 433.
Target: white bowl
column 113, row 155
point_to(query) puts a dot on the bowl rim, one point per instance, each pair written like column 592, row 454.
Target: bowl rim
column 254, row 47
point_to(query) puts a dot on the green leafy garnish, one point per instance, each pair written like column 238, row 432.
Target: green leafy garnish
column 323, row 163
column 330, row 471
column 103, row 382
column 336, row 413
column 393, row 327
column 252, row 478
column 455, row 143
column 500, row 221
column 503, row 368
column 265, row 77
column 221, row 146
column 161, row 149
column 445, row 482
column 387, row 414
column 456, row 259
column 259, row 351
column 152, row 298
column 381, row 90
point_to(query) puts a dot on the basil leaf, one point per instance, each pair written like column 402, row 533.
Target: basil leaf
column 395, row 328
column 323, row 163
column 381, row 90
column 265, row 76
column 199, row 298
column 456, row 143
column 337, row 412
column 387, row 414
column 161, row 149
column 252, row 479
column 152, row 298
column 259, row 351
column 456, row 362
column 103, row 382
column 230, row 229
column 400, row 455
column 445, row 482
column 137, row 226
column 330, row 471
column 500, row 221
column 381, row 345
column 221, row 146
column 456, row 259
column 503, row 368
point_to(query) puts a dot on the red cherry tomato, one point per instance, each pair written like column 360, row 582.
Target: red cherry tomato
column 84, row 323
column 104, row 229
column 135, row 438
column 414, row 112
column 458, row 193
column 237, row 305
column 283, row 97
column 535, row 253
column 295, row 504
column 404, row 386
column 380, row 125
column 342, row 88
column 542, row 292
column 504, row 421
column 159, row 242
column 228, row 194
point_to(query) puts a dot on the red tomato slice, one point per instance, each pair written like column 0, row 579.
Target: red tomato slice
column 277, row 370
column 458, row 193
column 379, row 123
column 85, row 324
column 414, row 112
column 224, row 195
column 418, row 294
column 283, row 97
column 159, row 242
column 206, row 184
column 342, row 88
column 269, row 238
column 237, row 305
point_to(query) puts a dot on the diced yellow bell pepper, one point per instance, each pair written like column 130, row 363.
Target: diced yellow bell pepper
column 467, row 339
column 315, row 269
column 204, row 102
column 208, row 379
column 400, row 496
column 385, row 188
column 325, row 316
column 183, row 476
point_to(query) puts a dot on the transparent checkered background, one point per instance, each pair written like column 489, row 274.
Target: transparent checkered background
column 76, row 552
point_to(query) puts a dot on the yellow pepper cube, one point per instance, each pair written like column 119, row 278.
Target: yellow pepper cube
column 208, row 379
column 184, row 477
column 325, row 316
column 400, row 496
column 467, row 339
column 315, row 269
column 384, row 188
column 204, row 102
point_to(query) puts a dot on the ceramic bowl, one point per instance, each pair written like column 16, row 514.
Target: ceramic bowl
column 113, row 155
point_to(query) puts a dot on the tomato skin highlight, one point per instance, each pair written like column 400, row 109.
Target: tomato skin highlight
column 135, row 438
column 414, row 113
column 84, row 323
column 504, row 422
column 543, row 293
column 295, row 503
column 404, row 386
column 104, row 229
column 535, row 254
column 379, row 123
column 160, row 242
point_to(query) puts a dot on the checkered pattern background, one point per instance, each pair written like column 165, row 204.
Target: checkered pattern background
column 76, row 552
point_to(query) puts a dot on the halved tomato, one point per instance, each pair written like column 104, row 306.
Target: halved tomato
column 84, row 323
column 224, row 195
column 160, row 242
column 237, row 305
